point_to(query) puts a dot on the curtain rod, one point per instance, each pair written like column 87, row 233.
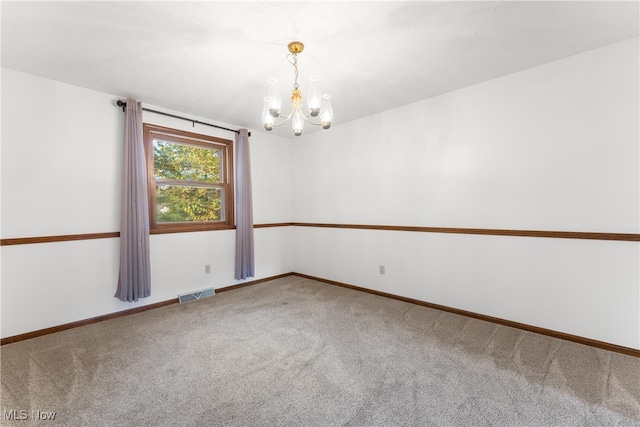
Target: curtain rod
column 123, row 104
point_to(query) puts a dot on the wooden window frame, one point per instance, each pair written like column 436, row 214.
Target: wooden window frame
column 197, row 140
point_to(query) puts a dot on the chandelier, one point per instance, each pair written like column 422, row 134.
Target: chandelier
column 318, row 104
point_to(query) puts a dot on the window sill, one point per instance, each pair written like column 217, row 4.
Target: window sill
column 190, row 229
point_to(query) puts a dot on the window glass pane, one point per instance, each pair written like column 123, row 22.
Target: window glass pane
column 175, row 203
column 185, row 162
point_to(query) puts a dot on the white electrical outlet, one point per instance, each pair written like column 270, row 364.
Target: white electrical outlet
column 207, row 269
column 382, row 269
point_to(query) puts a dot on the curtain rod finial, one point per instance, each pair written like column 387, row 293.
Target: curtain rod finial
column 122, row 104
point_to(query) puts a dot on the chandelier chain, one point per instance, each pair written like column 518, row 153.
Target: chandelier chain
column 293, row 59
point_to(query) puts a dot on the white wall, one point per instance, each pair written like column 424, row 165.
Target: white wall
column 554, row 147
column 61, row 157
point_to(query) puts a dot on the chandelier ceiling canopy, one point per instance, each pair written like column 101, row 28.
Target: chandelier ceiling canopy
column 318, row 105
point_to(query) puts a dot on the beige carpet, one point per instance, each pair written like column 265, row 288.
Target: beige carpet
column 296, row 352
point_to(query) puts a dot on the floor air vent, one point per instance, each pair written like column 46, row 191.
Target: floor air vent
column 196, row 295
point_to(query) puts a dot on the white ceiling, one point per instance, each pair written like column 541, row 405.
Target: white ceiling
column 212, row 59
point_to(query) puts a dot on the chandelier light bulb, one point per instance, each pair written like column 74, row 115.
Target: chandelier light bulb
column 275, row 102
column 326, row 111
column 297, row 122
column 314, row 98
column 267, row 118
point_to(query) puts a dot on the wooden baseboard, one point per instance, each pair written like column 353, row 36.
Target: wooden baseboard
column 64, row 327
column 253, row 282
column 548, row 332
column 77, row 324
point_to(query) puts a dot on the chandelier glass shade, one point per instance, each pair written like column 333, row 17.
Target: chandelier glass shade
column 317, row 105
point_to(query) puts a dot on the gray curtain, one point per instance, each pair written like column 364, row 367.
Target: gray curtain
column 135, row 273
column 244, row 208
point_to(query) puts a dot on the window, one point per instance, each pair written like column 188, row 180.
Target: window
column 190, row 178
